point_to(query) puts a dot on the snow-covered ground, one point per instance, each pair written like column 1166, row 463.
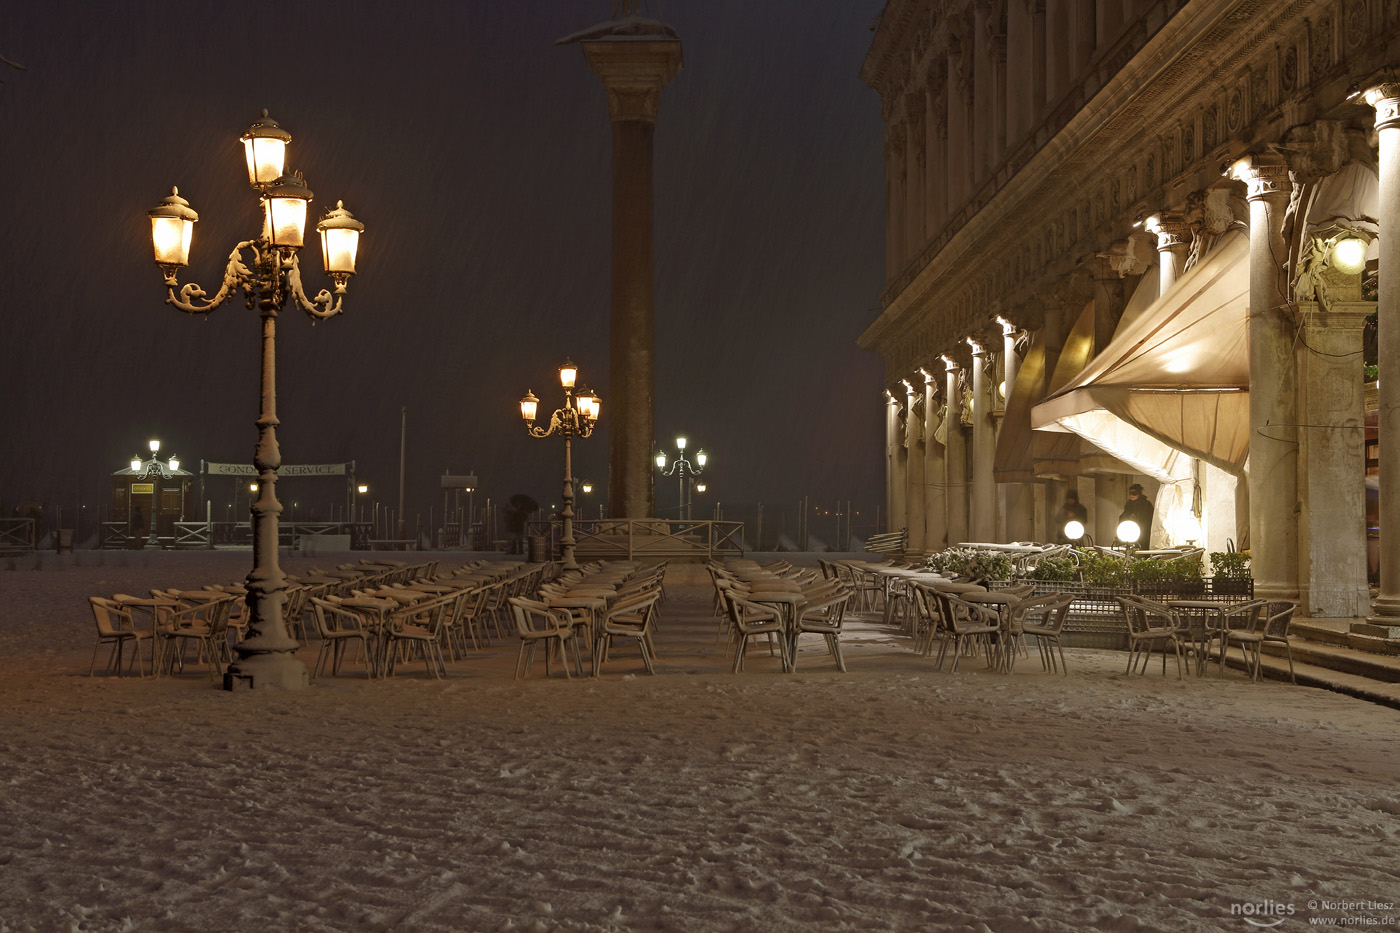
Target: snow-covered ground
column 895, row 797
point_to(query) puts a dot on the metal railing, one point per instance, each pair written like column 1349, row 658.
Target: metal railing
column 643, row 538
column 17, row 534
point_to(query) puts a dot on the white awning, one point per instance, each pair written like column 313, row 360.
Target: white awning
column 1173, row 383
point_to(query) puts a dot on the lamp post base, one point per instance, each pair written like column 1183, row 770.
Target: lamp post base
column 263, row 671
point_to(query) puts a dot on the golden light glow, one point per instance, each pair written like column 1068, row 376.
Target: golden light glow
column 135, row 464
column 1349, row 255
column 680, row 444
column 661, row 460
column 285, row 221
column 587, row 488
column 1128, row 531
column 528, row 406
column 568, row 374
column 154, row 445
column 172, row 229
column 699, row 487
column 700, row 458
column 252, row 487
column 265, row 151
column 174, row 463
column 265, row 158
column 1074, row 529
column 340, row 240
column 362, row 488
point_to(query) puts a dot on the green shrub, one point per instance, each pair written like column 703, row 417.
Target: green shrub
column 1060, row 568
column 1103, row 569
column 1230, row 565
column 974, row 564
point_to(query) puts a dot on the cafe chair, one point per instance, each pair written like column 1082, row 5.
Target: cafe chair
column 337, row 628
column 1277, row 616
column 537, row 623
column 1044, row 619
column 418, row 627
column 748, row 619
column 116, row 627
column 823, row 615
column 966, row 624
column 631, row 617
column 1150, row 625
column 193, row 616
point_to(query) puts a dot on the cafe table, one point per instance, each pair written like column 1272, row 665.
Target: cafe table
column 1204, row 623
column 1004, row 604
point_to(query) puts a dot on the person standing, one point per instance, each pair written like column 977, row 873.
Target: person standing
column 1072, row 511
column 1138, row 509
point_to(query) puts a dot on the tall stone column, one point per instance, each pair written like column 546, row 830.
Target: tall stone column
column 1332, row 557
column 1385, row 97
column 1273, row 447
column 914, row 442
column 955, row 454
column 634, row 58
column 983, row 520
column 936, row 177
column 1018, row 516
column 896, row 477
column 1173, row 246
column 935, row 469
column 984, row 109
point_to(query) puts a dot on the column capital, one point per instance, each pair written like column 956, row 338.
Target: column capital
column 633, row 72
column 1171, row 228
column 1385, row 97
column 1264, row 175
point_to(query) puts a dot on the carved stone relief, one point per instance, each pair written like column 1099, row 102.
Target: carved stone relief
column 1357, row 23
column 1321, row 46
column 1288, row 69
column 1210, row 127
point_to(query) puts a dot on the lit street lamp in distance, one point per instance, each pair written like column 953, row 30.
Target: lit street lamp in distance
column 576, row 418
column 684, row 471
column 270, row 278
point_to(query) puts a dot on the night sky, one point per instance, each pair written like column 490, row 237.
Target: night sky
column 477, row 153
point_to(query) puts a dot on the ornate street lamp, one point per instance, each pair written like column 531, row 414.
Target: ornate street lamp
column 684, row 471
column 576, row 418
column 268, row 272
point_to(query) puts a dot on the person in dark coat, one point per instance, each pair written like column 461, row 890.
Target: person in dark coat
column 1072, row 511
column 1138, row 508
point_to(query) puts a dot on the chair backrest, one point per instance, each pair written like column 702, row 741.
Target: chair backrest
column 959, row 613
column 1278, row 616
column 111, row 617
column 749, row 617
column 528, row 612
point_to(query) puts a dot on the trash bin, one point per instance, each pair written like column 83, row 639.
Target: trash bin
column 538, row 551
column 65, row 541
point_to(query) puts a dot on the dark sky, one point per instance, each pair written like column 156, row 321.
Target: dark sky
column 477, row 154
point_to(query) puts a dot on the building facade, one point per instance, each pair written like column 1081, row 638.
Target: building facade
column 1141, row 242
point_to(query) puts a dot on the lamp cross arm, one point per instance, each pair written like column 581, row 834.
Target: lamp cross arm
column 324, row 305
column 236, row 275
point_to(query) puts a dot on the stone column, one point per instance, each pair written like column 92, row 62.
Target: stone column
column 633, row 68
column 895, row 476
column 1385, row 97
column 984, row 446
column 936, row 181
column 959, row 151
column 895, row 200
column 1018, row 71
column 955, row 454
column 914, row 442
column 1273, row 447
column 983, row 132
column 935, row 469
column 1173, row 245
column 1332, row 555
column 1016, row 509
column 915, row 234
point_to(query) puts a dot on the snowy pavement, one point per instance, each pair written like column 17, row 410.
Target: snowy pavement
column 895, row 797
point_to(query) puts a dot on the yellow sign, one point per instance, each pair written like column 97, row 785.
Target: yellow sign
column 143, row 489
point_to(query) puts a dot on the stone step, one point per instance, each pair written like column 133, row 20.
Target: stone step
column 1362, row 686
column 1380, row 667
